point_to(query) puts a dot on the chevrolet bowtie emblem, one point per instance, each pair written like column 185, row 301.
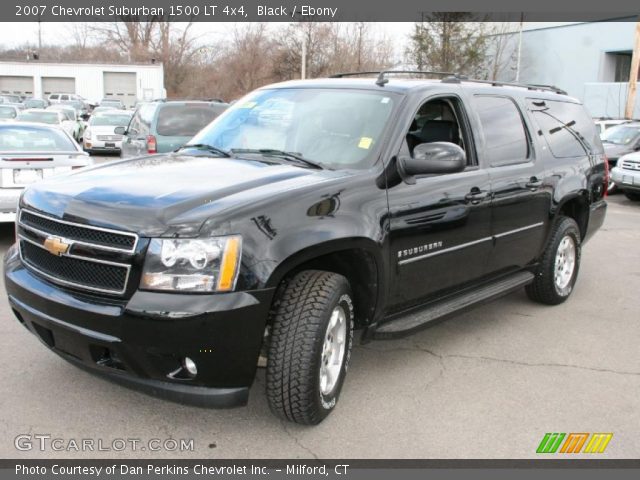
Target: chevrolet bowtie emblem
column 56, row 246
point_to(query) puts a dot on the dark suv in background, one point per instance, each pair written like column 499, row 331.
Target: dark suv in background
column 307, row 210
column 163, row 126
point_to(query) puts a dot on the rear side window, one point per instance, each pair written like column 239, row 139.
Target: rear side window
column 506, row 139
column 184, row 120
column 566, row 127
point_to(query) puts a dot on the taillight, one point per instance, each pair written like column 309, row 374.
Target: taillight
column 606, row 176
column 152, row 146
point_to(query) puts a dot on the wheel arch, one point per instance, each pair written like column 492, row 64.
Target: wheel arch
column 575, row 206
column 360, row 260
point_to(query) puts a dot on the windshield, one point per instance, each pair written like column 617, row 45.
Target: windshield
column 35, row 103
column 7, row 112
column 33, row 139
column 621, row 135
column 110, row 120
column 39, row 117
column 336, row 128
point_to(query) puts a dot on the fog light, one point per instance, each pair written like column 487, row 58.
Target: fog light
column 190, row 366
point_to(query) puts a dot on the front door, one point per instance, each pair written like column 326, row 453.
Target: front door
column 440, row 225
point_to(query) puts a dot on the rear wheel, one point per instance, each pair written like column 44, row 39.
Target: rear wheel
column 632, row 196
column 558, row 269
column 310, row 346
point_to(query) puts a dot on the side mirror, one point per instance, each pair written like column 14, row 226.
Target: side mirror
column 85, row 116
column 433, row 158
column 120, row 130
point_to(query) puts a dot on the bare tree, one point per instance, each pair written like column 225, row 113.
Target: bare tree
column 502, row 51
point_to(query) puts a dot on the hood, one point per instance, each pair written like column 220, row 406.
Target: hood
column 164, row 194
column 613, row 151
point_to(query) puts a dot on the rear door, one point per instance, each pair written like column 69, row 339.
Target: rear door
column 521, row 202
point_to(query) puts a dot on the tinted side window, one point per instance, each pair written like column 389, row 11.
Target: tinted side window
column 506, row 139
column 184, row 120
column 567, row 128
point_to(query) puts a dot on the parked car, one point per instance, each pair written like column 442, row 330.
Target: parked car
column 98, row 110
column 49, row 117
column 77, row 124
column 64, row 97
column 8, row 98
column 30, row 153
column 161, row 127
column 81, row 108
column 99, row 135
column 626, row 175
column 36, row 103
column 112, row 102
column 604, row 124
column 618, row 141
column 365, row 200
column 8, row 112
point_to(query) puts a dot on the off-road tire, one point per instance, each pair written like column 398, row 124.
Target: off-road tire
column 295, row 351
column 633, row 196
column 543, row 289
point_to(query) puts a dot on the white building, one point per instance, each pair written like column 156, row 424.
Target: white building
column 128, row 83
column 591, row 61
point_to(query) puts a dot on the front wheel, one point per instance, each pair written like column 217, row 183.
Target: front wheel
column 558, row 269
column 310, row 346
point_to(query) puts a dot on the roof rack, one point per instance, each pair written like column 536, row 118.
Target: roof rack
column 382, row 80
column 450, row 77
column 455, row 78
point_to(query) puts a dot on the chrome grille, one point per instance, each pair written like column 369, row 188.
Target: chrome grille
column 102, row 237
column 631, row 165
column 87, row 263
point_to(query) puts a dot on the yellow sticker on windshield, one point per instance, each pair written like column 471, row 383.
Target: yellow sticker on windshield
column 248, row 105
column 365, row 142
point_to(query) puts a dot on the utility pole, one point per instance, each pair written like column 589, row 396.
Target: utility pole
column 633, row 75
column 519, row 48
column 39, row 35
column 303, row 66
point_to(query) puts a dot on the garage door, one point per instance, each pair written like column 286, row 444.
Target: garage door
column 16, row 85
column 121, row 86
column 58, row 85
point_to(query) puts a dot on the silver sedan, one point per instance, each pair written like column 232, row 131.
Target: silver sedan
column 30, row 152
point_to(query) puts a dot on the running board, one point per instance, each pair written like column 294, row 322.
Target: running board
column 410, row 322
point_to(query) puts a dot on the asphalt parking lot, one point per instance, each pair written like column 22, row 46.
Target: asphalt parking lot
column 486, row 384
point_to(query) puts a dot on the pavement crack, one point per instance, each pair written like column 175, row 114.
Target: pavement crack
column 543, row 364
column 443, row 356
column 297, row 441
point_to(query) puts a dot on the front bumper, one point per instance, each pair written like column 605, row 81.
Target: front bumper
column 140, row 342
column 626, row 179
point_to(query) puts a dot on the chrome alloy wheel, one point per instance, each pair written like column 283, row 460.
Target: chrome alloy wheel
column 333, row 350
column 565, row 263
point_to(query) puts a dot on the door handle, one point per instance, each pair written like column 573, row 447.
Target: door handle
column 476, row 195
column 533, row 184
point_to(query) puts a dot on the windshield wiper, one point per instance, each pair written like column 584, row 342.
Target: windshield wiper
column 204, row 146
column 270, row 152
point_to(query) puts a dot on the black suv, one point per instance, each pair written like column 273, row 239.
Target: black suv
column 307, row 210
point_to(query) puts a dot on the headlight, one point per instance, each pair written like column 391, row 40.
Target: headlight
column 192, row 265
